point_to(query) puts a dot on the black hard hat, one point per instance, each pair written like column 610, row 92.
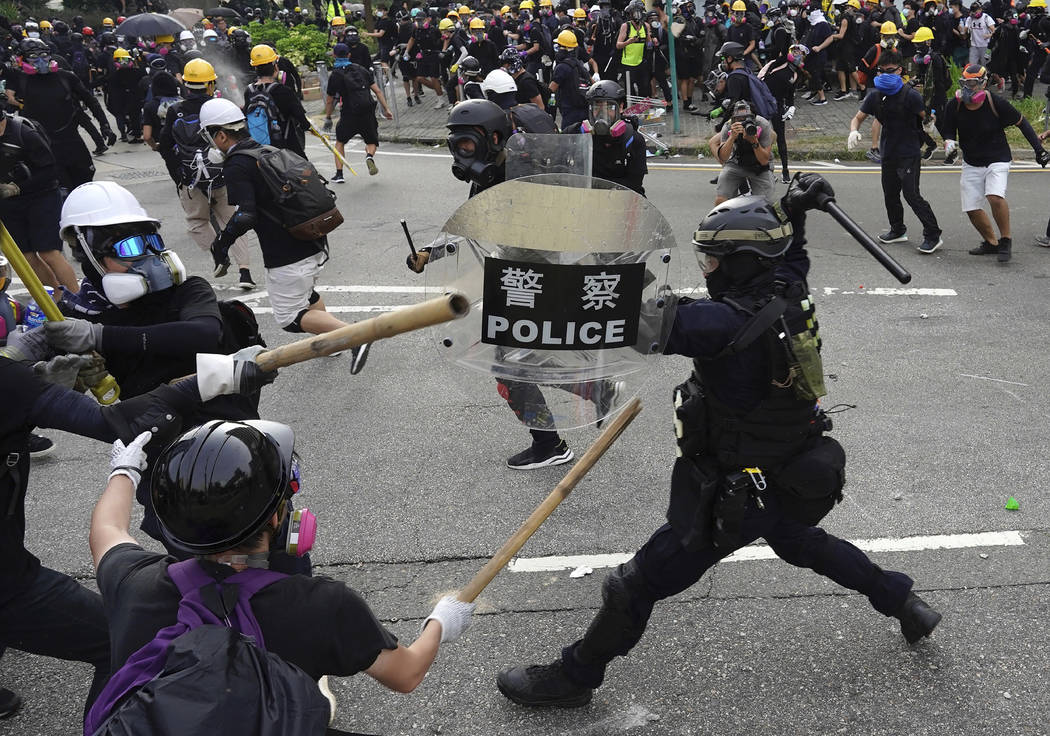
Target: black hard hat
column 219, row 484
column 746, row 224
column 60, row 26
column 470, row 66
column 484, row 114
column 33, row 46
column 731, row 48
column 606, row 90
column 108, row 39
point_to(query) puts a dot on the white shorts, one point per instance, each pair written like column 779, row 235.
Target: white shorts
column 291, row 287
column 978, row 182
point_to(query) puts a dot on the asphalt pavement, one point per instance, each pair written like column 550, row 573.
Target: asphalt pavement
column 944, row 417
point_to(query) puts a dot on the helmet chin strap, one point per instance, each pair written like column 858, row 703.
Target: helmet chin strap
column 87, row 251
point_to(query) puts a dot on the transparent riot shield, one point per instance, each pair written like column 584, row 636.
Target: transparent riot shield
column 570, row 280
column 531, row 154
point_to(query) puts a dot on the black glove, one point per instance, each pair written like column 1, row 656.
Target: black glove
column 220, row 253
column 1042, row 157
column 807, row 192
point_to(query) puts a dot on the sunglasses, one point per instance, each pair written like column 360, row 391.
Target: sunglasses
column 135, row 246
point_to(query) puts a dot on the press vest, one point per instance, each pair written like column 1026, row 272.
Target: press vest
column 633, row 54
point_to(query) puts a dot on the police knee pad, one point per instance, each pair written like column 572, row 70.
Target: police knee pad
column 296, row 324
column 623, row 586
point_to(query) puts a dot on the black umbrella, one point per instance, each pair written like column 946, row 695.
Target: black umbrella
column 221, row 12
column 150, row 24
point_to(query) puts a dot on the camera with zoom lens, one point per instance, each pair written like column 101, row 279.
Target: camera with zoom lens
column 750, row 126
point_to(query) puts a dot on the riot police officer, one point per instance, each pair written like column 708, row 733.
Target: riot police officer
column 754, row 460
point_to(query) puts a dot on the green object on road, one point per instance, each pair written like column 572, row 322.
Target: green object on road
column 716, row 113
column 1012, row 505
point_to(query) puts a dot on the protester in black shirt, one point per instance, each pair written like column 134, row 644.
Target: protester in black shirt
column 291, row 120
column 385, row 34
column 164, row 92
column 125, row 98
column 355, row 86
column 528, row 87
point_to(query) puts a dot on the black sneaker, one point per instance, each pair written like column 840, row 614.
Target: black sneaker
column 111, row 139
column 929, row 245
column 894, row 236
column 100, row 149
column 1005, row 245
column 984, row 249
column 927, row 152
column 359, row 356
column 9, row 702
column 538, row 456
column 371, row 164
column 874, row 155
column 604, row 396
column 951, row 157
column 418, row 101
column 40, row 446
column 408, row 101
column 916, row 617
column 819, row 102
column 843, row 96
column 542, row 685
column 338, row 178
column 123, row 138
column 246, row 282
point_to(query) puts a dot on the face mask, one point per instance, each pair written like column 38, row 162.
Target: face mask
column 792, row 12
column 163, row 50
column 922, row 59
column 39, row 65
column 1013, row 21
column 889, row 84
column 146, row 275
column 602, row 128
column 339, row 63
column 977, row 14
column 215, row 156
column 380, row 14
column 971, row 96
column 888, row 43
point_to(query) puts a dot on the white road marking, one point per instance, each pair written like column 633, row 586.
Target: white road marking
column 891, row 291
column 341, row 309
column 763, row 552
column 997, row 380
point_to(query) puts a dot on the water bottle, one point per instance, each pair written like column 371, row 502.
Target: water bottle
column 34, row 314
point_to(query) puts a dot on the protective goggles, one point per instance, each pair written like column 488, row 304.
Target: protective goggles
column 605, row 110
column 973, row 83
column 136, row 246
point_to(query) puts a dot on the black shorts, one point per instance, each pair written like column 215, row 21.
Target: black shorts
column 407, row 68
column 687, row 67
column 428, row 66
column 846, row 59
column 32, row 220
column 365, row 126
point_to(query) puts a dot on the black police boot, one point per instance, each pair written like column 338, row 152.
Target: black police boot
column 542, row 685
column 917, row 618
column 10, row 702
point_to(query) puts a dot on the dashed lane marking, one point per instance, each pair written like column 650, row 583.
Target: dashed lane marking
column 764, row 552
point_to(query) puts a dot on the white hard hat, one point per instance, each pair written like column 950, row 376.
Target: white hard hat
column 186, row 36
column 219, row 111
column 99, row 203
column 499, row 82
column 210, row 33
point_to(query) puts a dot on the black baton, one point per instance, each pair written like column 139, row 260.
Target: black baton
column 847, row 222
column 408, row 236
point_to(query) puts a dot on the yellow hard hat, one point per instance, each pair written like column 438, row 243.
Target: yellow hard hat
column 338, row 21
column 297, row 9
column 263, row 54
column 925, row 34
column 567, row 39
column 504, row 10
column 452, row 14
column 164, row 39
column 230, row 30
column 107, row 21
column 546, row 3
column 476, row 23
column 526, row 5
column 738, row 6
column 121, row 54
column 45, row 24
column 853, row 4
column 579, row 13
column 445, row 25
column 464, row 10
column 889, row 28
column 198, row 71
column 1037, row 4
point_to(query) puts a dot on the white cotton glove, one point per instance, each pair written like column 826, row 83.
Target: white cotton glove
column 949, row 146
column 453, row 615
column 596, row 77
column 853, row 140
column 130, row 460
column 788, row 114
column 218, row 375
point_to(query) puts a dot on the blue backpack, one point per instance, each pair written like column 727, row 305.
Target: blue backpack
column 762, row 100
column 210, row 672
column 261, row 115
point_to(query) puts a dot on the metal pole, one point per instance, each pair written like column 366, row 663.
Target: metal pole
column 674, row 66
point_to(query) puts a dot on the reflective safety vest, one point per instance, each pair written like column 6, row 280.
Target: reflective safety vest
column 634, row 53
column 334, row 9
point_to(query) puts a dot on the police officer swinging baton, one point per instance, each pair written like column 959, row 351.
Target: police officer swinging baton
column 511, row 547
column 828, row 204
column 106, row 391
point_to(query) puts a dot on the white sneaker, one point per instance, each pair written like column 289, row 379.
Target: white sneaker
column 440, row 104
column 789, row 113
column 322, row 685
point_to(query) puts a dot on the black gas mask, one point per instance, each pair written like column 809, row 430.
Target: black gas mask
column 471, row 157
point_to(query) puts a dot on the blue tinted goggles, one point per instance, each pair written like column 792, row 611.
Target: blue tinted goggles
column 135, row 246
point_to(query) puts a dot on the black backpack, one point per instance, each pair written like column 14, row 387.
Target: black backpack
column 303, row 203
column 357, row 81
column 240, row 328
column 191, row 149
column 530, row 118
column 762, row 100
column 210, row 672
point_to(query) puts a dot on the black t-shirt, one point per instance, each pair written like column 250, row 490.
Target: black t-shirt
column 899, row 115
column 318, row 624
column 528, row 88
column 144, row 370
column 34, row 153
column 246, row 189
column 48, row 99
column 816, row 36
column 742, row 33
column 389, row 37
column 981, row 133
column 353, row 85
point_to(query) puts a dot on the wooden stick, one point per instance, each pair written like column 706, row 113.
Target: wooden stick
column 511, row 547
column 431, row 312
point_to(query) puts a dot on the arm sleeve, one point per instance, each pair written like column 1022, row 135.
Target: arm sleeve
column 79, row 90
column 62, row 408
column 795, row 264
column 949, row 122
column 196, row 335
column 290, row 107
column 699, row 329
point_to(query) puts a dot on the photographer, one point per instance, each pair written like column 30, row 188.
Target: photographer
column 745, row 150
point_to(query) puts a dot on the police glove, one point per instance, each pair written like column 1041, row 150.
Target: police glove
column 218, row 375
column 62, row 370
column 1042, row 157
column 453, row 615
column 29, row 345
column 807, row 192
column 73, row 335
column 130, row 460
column 416, row 262
column 327, row 127
column 9, row 189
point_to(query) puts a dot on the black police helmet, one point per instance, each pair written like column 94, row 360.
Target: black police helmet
column 606, row 90
column 733, row 49
column 748, row 224
column 484, row 114
column 219, row 484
